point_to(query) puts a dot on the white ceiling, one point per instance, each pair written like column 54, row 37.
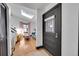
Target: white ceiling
column 29, row 8
column 34, row 5
column 16, row 11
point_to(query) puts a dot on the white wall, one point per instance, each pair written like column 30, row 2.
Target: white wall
column 51, row 5
column 39, row 40
column 70, row 29
column 33, row 24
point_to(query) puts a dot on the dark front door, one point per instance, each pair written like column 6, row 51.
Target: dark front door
column 52, row 30
column 3, row 31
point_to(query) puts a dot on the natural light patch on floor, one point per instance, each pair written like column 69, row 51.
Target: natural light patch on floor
column 23, row 44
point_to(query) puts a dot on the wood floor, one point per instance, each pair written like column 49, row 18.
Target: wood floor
column 28, row 48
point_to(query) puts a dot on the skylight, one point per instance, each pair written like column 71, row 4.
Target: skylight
column 26, row 15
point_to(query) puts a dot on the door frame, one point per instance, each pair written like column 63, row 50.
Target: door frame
column 78, row 32
column 59, row 4
column 6, row 18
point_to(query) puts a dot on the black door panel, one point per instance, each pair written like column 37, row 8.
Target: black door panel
column 3, row 31
column 52, row 30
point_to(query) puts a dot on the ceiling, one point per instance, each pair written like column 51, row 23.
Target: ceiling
column 29, row 8
column 34, row 5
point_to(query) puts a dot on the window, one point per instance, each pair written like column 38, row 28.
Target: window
column 50, row 24
column 25, row 28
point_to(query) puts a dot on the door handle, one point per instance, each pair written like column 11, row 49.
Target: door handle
column 56, row 36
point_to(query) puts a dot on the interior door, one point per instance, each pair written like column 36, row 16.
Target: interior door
column 52, row 30
column 3, row 31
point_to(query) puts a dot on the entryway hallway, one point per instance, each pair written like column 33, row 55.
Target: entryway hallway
column 53, row 25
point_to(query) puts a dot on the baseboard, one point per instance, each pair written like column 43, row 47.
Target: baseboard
column 39, row 47
column 12, row 54
column 13, row 49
